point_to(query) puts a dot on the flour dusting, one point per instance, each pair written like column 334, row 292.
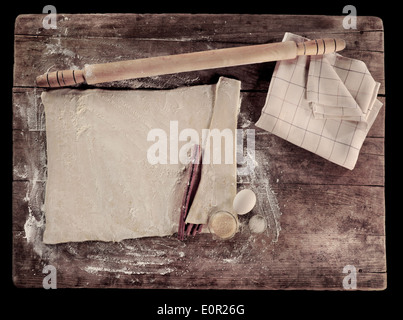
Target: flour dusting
column 135, row 257
column 259, row 182
column 68, row 57
column 267, row 200
column 124, row 270
column 35, row 223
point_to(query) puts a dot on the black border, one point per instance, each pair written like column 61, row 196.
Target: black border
column 258, row 304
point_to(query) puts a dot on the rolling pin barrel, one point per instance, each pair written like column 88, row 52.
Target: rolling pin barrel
column 202, row 60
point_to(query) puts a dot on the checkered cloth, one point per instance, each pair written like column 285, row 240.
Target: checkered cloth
column 325, row 104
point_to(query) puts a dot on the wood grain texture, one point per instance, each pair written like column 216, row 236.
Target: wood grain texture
column 330, row 216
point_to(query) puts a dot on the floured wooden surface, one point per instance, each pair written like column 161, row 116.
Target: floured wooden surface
column 320, row 217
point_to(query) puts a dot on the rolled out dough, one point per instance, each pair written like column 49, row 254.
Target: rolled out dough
column 217, row 187
column 101, row 184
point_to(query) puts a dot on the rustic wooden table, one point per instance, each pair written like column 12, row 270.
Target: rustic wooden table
column 327, row 217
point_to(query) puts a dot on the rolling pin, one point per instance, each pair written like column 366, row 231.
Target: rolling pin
column 201, row 60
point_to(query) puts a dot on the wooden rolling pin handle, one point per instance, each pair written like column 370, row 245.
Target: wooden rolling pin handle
column 62, row 78
column 320, row 46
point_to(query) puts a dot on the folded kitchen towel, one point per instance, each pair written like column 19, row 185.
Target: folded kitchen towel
column 325, row 104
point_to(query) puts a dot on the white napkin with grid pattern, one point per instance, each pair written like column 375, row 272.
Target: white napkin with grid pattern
column 324, row 104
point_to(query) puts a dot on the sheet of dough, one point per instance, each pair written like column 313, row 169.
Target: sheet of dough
column 217, row 188
column 100, row 184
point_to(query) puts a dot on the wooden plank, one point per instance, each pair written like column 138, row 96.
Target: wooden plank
column 298, row 261
column 243, row 28
column 29, row 155
column 19, row 204
column 331, row 209
column 71, row 45
column 291, row 164
column 70, row 53
column 28, row 111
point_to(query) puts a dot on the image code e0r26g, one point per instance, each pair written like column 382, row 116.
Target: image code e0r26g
column 215, row 309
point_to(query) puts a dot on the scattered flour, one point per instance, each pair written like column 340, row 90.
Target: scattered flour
column 34, row 225
column 124, row 270
column 256, row 165
column 139, row 259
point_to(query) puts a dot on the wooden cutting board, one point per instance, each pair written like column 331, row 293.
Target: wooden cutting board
column 328, row 217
